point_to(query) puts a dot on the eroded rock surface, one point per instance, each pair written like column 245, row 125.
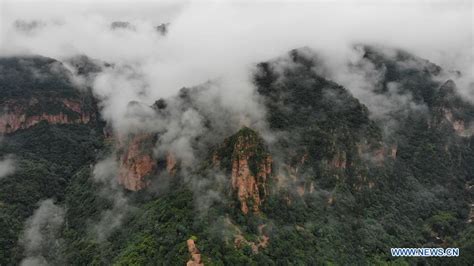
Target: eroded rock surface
column 136, row 162
column 22, row 114
column 195, row 259
column 250, row 167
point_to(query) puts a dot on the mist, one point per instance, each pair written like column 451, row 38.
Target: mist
column 40, row 236
column 213, row 39
column 190, row 87
column 7, row 166
column 215, row 45
column 105, row 173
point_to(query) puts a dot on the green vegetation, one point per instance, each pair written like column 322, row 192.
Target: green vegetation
column 46, row 158
column 34, row 76
column 358, row 210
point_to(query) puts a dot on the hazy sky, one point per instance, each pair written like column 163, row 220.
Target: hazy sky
column 246, row 31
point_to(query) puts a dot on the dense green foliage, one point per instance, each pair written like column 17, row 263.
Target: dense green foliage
column 36, row 76
column 419, row 199
column 351, row 212
column 46, row 157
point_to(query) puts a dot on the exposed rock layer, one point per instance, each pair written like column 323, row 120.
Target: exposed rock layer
column 250, row 168
column 24, row 114
column 137, row 163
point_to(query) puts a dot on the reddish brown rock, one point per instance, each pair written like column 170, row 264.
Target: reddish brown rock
column 19, row 115
column 262, row 241
column 250, row 168
column 247, row 184
column 195, row 259
column 458, row 125
column 171, row 164
column 136, row 162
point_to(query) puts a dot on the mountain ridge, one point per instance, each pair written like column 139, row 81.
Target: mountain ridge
column 329, row 186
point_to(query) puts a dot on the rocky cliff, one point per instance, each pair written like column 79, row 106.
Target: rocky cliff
column 136, row 161
column 137, row 165
column 450, row 110
column 318, row 123
column 22, row 114
column 35, row 89
column 249, row 165
column 331, row 183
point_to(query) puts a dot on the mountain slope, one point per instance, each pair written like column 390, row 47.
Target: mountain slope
column 51, row 131
column 324, row 184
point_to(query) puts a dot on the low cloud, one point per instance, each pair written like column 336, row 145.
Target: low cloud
column 363, row 79
column 215, row 45
column 40, row 238
column 222, row 40
column 105, row 173
column 7, row 166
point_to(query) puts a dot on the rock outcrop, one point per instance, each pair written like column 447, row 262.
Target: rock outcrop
column 452, row 111
column 195, row 259
column 261, row 242
column 250, row 167
column 458, row 125
column 35, row 89
column 136, row 161
column 22, row 114
column 171, row 164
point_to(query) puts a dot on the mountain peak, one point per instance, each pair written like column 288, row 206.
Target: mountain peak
column 245, row 156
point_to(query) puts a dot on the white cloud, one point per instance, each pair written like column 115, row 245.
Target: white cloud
column 209, row 39
column 7, row 167
column 40, row 236
column 222, row 40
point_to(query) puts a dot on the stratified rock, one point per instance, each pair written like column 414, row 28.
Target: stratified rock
column 250, row 167
column 35, row 89
column 22, row 114
column 136, row 162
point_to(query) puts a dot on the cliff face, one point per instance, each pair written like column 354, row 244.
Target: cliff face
column 35, row 89
column 250, row 167
column 137, row 164
column 457, row 124
column 451, row 110
column 22, row 114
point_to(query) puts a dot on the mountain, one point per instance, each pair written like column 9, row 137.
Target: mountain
column 51, row 129
column 333, row 184
column 36, row 89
